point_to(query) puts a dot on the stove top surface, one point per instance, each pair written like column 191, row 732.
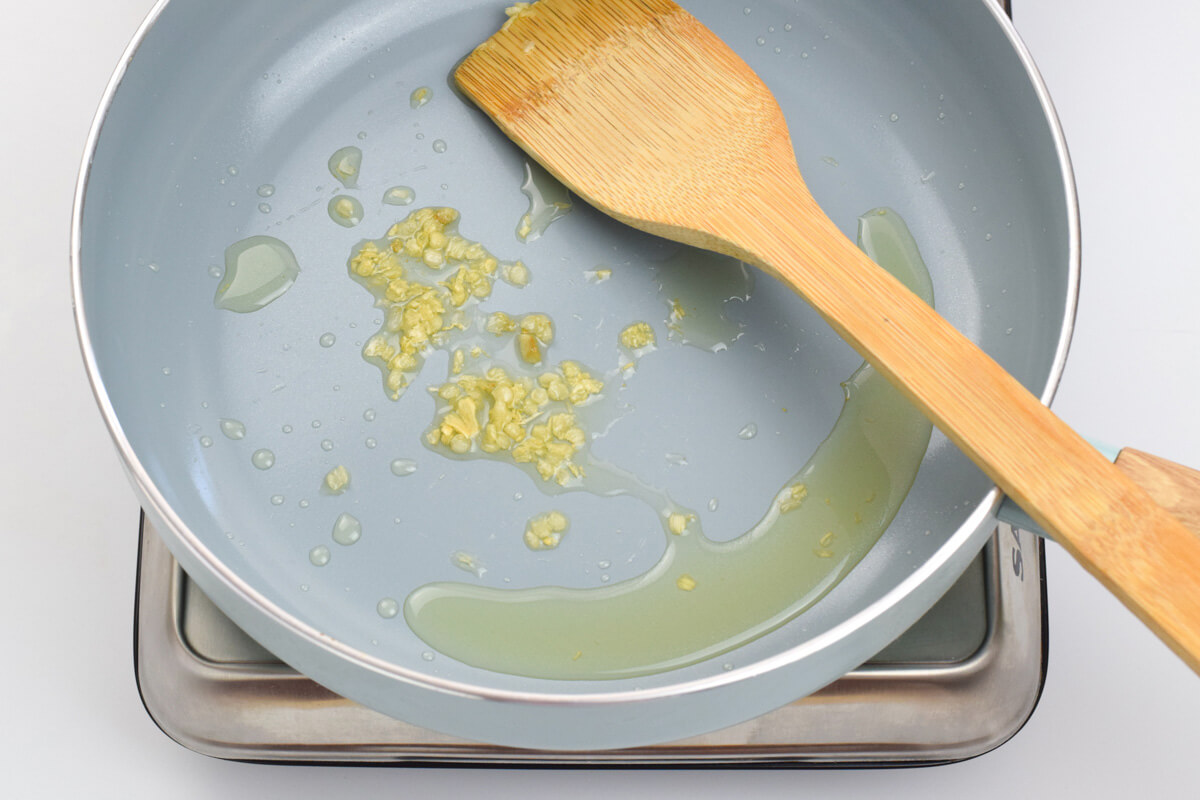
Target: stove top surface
column 960, row 682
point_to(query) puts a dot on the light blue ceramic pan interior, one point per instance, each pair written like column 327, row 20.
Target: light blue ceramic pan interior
column 928, row 108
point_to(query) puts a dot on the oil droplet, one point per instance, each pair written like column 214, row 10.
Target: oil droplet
column 676, row 459
column 327, row 340
column 264, row 208
column 387, row 607
column 714, row 504
column 345, row 165
column 266, row 190
column 787, row 27
column 258, row 270
column 548, row 200
column 369, row 415
column 467, row 563
column 287, row 429
column 326, row 445
column 361, row 135
column 347, row 529
column 319, row 555
column 761, row 41
column 439, row 146
column 345, row 210
column 166, row 370
column 232, row 170
column 748, row 431
column 428, row 656
column 403, row 466
column 263, row 459
column 277, row 499
column 371, row 443
column 206, row 441
column 233, row 429
column 152, row 267
column 214, row 271
column 399, row 196
column 987, row 237
column 420, row 96
column 303, row 504
column 894, row 117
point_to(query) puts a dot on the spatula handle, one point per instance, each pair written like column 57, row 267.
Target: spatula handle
column 1138, row 550
column 1173, row 486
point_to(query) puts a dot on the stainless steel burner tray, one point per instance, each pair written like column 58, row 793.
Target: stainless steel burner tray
column 962, row 681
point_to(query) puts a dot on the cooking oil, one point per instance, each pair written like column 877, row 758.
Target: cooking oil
column 258, row 271
column 399, row 196
column 345, row 164
column 696, row 287
column 345, row 210
column 347, row 529
column 705, row 598
column 549, row 200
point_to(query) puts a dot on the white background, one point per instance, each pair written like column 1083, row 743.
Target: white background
column 1120, row 716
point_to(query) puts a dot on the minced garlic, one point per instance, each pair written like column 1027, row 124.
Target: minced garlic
column 532, row 421
column 419, row 313
column 337, row 479
column 685, row 582
column 637, row 336
column 516, row 273
column 545, row 531
column 513, row 12
column 823, row 548
column 537, row 331
column 499, row 323
column 792, row 497
column 678, row 523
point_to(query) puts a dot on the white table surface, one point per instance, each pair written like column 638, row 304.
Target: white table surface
column 1120, row 716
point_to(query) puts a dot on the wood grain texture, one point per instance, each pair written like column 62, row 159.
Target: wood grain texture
column 1173, row 486
column 647, row 115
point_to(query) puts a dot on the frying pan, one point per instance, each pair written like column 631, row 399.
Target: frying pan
column 932, row 109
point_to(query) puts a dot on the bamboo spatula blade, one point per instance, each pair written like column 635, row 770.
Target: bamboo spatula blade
column 546, row 80
column 649, row 116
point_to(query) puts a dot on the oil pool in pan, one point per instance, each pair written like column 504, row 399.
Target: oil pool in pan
column 503, row 400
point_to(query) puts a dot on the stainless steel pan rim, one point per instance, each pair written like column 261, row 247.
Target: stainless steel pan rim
column 973, row 530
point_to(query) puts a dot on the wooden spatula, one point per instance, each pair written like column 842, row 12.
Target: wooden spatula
column 648, row 116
